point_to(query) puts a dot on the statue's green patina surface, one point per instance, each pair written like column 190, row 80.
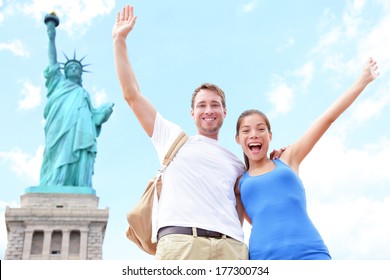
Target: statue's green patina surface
column 72, row 125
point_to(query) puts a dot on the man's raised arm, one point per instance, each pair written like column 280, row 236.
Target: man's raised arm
column 142, row 108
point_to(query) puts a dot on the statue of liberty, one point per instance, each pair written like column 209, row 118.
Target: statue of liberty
column 72, row 124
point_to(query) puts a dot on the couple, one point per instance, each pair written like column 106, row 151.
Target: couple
column 201, row 203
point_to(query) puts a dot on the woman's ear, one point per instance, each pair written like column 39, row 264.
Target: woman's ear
column 237, row 140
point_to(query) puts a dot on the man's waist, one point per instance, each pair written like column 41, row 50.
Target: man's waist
column 194, row 231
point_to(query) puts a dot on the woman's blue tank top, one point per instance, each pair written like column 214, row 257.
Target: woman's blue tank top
column 281, row 228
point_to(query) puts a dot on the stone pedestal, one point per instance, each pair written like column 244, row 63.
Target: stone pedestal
column 56, row 226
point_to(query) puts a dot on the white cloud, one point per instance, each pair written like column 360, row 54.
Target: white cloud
column 281, row 97
column 75, row 15
column 369, row 108
column 326, row 20
column 24, row 165
column 346, row 45
column 249, row 7
column 376, row 44
column 332, row 167
column 385, row 4
column 1, row 12
column 352, row 17
column 16, row 47
column 358, row 5
column 334, row 32
column 306, row 73
column 31, row 96
column 99, row 96
column 341, row 50
column 354, row 228
column 349, row 197
column 328, row 39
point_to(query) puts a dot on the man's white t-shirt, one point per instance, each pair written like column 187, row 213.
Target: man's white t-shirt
column 198, row 185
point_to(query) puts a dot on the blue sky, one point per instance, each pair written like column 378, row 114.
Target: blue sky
column 290, row 59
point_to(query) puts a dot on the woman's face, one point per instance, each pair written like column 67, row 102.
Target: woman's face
column 254, row 137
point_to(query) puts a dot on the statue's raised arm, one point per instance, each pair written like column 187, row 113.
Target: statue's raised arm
column 52, row 21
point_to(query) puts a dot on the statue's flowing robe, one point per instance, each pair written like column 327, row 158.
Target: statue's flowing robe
column 70, row 133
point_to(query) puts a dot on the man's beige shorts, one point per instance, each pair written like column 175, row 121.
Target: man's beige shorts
column 189, row 247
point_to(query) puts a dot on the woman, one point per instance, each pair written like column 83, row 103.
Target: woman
column 271, row 190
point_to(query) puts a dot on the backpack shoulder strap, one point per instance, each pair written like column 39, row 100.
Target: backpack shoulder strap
column 179, row 142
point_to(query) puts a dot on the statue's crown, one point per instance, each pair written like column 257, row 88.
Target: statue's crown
column 74, row 60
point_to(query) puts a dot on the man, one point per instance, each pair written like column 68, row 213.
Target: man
column 197, row 215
